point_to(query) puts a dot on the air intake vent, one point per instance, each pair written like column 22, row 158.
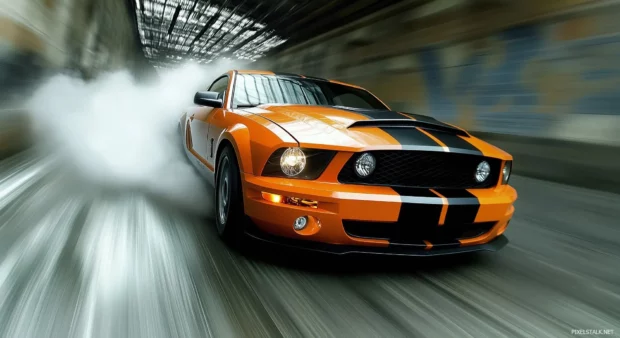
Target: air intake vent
column 408, row 124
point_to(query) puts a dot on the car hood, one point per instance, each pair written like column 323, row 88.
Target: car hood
column 348, row 129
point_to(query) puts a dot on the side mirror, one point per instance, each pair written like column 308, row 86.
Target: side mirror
column 209, row 99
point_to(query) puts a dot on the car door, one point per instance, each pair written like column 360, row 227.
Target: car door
column 199, row 124
column 219, row 120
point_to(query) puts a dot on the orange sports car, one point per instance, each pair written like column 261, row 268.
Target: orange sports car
column 323, row 165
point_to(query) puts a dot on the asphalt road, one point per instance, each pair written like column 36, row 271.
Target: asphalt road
column 78, row 262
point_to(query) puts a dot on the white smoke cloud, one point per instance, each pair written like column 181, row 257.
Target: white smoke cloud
column 119, row 134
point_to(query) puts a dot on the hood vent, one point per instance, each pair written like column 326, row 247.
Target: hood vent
column 398, row 123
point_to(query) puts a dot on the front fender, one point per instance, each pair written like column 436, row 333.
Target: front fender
column 252, row 146
column 239, row 136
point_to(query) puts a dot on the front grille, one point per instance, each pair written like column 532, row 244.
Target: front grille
column 407, row 233
column 423, row 169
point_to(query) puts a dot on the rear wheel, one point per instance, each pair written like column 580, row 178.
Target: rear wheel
column 229, row 213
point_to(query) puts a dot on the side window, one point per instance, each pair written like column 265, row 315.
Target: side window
column 220, row 86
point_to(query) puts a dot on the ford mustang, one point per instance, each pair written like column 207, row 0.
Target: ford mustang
column 327, row 166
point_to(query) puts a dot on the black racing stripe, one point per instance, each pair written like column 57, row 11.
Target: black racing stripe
column 418, row 216
column 454, row 193
column 410, row 137
column 418, row 220
column 386, row 231
column 463, row 206
column 431, row 120
column 461, row 214
column 454, row 142
column 381, row 114
column 414, row 192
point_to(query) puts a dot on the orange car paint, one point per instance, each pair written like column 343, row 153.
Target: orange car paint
column 444, row 208
column 429, row 245
column 255, row 133
column 441, row 144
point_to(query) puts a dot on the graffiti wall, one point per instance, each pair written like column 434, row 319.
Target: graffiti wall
column 521, row 80
column 530, row 80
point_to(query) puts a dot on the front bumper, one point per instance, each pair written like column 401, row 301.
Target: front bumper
column 493, row 245
column 375, row 208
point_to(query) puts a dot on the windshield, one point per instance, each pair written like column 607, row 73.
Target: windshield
column 252, row 90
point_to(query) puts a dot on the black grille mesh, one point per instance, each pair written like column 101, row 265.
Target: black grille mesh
column 423, row 169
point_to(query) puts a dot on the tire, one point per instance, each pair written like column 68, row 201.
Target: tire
column 230, row 216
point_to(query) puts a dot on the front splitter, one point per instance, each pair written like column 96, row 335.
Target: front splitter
column 390, row 250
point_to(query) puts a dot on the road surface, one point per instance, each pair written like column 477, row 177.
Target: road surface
column 78, row 262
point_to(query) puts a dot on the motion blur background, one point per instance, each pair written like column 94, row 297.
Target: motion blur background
column 106, row 232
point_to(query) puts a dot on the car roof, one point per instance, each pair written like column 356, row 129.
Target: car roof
column 266, row 72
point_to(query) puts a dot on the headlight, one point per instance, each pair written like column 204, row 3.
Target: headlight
column 299, row 163
column 293, row 161
column 506, row 172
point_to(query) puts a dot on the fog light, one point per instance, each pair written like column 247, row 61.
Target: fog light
column 482, row 171
column 365, row 165
column 300, row 223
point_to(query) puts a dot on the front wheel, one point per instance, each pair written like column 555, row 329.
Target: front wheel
column 230, row 216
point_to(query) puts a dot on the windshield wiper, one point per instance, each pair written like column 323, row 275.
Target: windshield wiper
column 246, row 106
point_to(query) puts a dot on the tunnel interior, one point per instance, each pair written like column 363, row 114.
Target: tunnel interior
column 174, row 31
column 107, row 230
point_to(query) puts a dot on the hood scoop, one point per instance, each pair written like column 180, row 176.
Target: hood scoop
column 400, row 123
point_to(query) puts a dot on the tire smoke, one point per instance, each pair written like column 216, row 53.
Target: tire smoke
column 116, row 134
